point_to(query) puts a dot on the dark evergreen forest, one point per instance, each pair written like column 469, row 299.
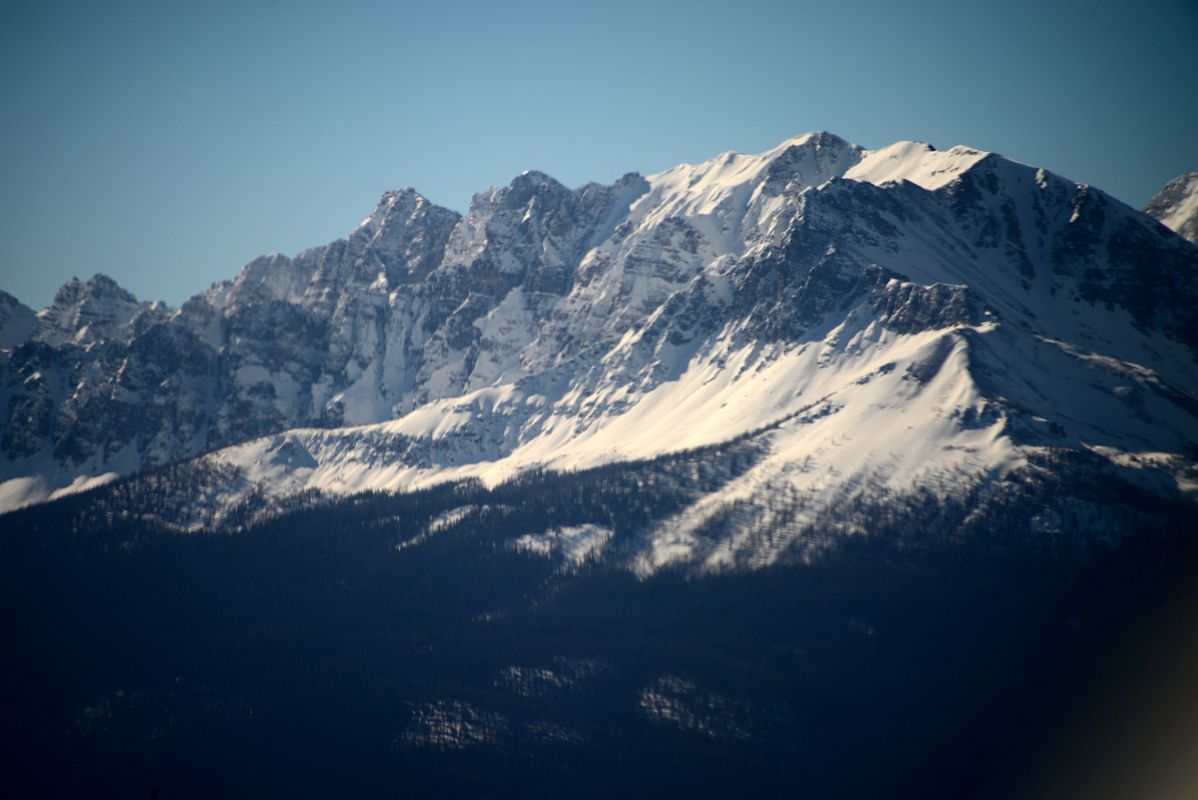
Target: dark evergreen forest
column 341, row 648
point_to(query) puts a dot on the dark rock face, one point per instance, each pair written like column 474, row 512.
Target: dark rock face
column 17, row 321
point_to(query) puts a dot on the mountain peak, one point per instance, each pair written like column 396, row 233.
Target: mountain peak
column 404, row 194
column 816, row 139
column 68, row 293
column 535, row 180
column 86, row 311
column 404, row 202
column 1176, row 206
column 99, row 285
column 102, row 284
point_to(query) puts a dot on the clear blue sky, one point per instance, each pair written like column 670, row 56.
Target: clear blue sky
column 166, row 144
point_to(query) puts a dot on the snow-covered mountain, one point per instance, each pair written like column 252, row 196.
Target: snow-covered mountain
column 1176, row 206
column 881, row 321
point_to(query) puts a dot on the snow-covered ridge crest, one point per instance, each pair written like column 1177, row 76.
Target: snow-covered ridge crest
column 736, row 199
column 968, row 305
column 917, row 162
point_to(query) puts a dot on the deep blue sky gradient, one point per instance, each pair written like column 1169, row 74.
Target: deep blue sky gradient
column 166, row 144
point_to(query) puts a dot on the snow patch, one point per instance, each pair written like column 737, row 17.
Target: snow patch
column 573, row 545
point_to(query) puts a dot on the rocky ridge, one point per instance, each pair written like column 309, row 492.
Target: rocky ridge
column 898, row 318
